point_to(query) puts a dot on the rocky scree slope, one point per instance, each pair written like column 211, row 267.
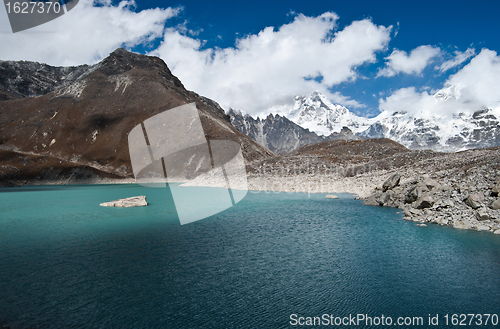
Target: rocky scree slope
column 460, row 190
column 342, row 158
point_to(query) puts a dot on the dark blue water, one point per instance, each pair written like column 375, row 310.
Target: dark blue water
column 65, row 262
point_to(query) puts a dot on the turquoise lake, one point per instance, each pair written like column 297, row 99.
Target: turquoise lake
column 66, row 262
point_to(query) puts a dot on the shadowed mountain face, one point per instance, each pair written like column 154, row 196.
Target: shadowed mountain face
column 281, row 135
column 80, row 117
column 27, row 79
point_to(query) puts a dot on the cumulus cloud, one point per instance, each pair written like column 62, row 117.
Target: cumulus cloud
column 459, row 58
column 472, row 88
column 400, row 62
column 269, row 68
column 86, row 34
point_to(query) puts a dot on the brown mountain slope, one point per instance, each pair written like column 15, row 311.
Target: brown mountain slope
column 85, row 123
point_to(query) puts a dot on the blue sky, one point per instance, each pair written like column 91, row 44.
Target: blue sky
column 227, row 51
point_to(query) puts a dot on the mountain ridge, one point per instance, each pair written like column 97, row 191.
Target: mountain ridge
column 84, row 123
column 281, row 135
column 461, row 131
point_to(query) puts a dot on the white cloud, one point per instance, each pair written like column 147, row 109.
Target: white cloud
column 479, row 81
column 86, row 34
column 414, row 63
column 268, row 69
column 459, row 58
column 475, row 86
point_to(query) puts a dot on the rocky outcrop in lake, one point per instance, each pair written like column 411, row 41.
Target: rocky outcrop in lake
column 135, row 201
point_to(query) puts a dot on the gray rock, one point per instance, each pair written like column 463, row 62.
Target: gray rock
column 497, row 232
column 461, row 224
column 385, row 198
column 331, row 196
column 371, row 201
column 473, row 201
column 495, row 205
column 482, row 227
column 406, row 212
column 423, row 225
column 446, row 188
column 443, row 204
column 495, row 189
column 430, row 183
column 136, row 201
column 482, row 214
column 398, row 190
column 441, row 221
column 414, row 194
column 425, row 201
column 415, row 212
column 391, row 182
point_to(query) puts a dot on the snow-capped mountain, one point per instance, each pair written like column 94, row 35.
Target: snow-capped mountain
column 275, row 132
column 461, row 131
column 416, row 131
column 313, row 118
column 316, row 113
column 439, row 132
column 279, row 134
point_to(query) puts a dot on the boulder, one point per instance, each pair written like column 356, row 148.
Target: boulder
column 461, row 224
column 135, row 201
column 371, row 201
column 441, row 221
column 473, row 201
column 442, row 204
column 495, row 189
column 430, row 183
column 482, row 214
column 385, row 198
column 495, row 205
column 425, row 201
column 391, row 182
column 482, row 227
column 331, row 196
column 497, row 232
column 415, row 212
column 414, row 194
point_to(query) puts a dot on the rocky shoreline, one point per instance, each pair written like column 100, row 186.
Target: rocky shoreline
column 467, row 201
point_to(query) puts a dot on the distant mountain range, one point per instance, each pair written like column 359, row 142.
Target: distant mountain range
column 314, row 119
column 281, row 135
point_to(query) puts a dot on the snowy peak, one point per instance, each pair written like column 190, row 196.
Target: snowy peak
column 452, row 132
column 450, row 92
column 316, row 113
column 275, row 132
